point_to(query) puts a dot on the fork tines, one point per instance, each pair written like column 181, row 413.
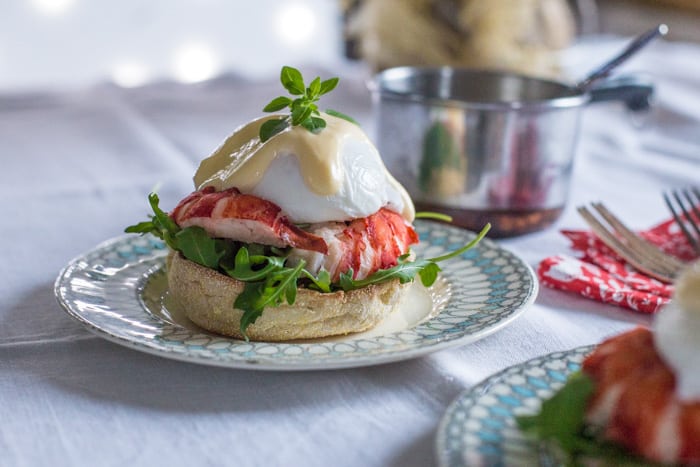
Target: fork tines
column 639, row 253
column 686, row 212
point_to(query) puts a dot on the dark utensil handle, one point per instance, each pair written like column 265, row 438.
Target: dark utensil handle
column 634, row 91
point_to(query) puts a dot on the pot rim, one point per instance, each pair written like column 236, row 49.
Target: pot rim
column 570, row 98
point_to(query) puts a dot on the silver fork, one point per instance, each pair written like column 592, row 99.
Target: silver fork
column 639, row 253
column 686, row 212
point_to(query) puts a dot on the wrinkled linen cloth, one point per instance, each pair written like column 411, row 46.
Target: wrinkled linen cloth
column 598, row 273
column 77, row 166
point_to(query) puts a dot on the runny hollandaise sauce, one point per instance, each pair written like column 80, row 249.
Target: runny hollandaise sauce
column 242, row 160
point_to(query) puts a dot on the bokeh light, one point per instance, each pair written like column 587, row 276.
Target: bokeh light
column 52, row 7
column 130, row 73
column 195, row 61
column 295, row 23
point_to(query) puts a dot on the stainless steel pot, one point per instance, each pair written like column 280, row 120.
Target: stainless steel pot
column 486, row 146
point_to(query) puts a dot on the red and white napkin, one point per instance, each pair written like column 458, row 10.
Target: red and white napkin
column 600, row 274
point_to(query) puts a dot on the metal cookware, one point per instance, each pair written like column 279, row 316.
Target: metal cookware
column 485, row 146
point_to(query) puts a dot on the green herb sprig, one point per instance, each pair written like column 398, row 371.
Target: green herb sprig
column 303, row 108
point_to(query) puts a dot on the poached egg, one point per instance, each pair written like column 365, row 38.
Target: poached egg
column 677, row 333
column 335, row 174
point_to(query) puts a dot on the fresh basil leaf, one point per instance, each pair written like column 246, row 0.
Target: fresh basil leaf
column 335, row 113
column 196, row 245
column 314, row 124
column 278, row 103
column 314, row 88
column 292, row 80
column 300, row 114
column 303, row 106
column 272, row 127
column 328, row 85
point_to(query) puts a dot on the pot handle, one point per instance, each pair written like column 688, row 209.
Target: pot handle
column 635, row 91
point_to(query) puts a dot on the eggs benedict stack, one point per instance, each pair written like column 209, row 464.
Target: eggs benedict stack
column 294, row 214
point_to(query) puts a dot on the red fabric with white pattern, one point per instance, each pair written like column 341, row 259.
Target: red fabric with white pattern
column 598, row 273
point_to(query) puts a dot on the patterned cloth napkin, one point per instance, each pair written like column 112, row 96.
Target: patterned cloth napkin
column 600, row 274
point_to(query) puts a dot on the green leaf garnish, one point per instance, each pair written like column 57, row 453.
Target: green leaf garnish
column 314, row 124
column 160, row 225
column 250, row 268
column 438, row 216
column 466, row 247
column 292, row 80
column 303, row 109
column 278, row 103
column 322, row 282
column 335, row 113
column 328, row 85
column 271, row 127
column 278, row 286
column 196, row 245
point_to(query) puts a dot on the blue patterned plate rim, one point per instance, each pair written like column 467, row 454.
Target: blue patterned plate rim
column 103, row 290
column 478, row 427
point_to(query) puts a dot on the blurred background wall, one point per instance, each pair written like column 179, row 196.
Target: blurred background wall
column 76, row 42
column 59, row 43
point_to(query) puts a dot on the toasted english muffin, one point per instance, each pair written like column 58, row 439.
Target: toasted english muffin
column 207, row 298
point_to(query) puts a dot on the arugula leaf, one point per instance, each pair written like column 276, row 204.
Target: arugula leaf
column 244, row 268
column 278, row 286
column 321, row 282
column 303, row 109
column 142, row 228
column 405, row 272
column 466, row 247
column 196, row 245
column 160, row 225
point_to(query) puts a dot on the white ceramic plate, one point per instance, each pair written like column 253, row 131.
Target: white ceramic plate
column 479, row 427
column 119, row 291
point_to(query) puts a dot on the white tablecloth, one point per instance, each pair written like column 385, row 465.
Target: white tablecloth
column 76, row 169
